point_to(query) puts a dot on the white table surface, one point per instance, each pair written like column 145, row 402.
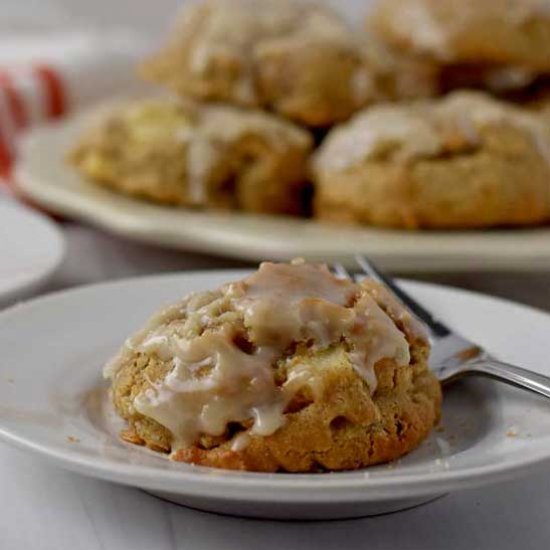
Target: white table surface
column 45, row 508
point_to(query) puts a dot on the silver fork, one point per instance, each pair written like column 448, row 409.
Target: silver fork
column 453, row 356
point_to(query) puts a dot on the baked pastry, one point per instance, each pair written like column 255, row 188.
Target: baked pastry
column 462, row 161
column 289, row 369
column 183, row 154
column 295, row 57
column 398, row 75
column 513, row 33
column 476, row 44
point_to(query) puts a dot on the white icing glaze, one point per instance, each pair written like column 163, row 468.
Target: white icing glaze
column 411, row 325
column 415, row 20
column 220, row 127
column 473, row 111
column 434, row 26
column 209, row 132
column 402, row 133
column 201, row 157
column 217, row 378
column 244, row 33
column 240, row 442
column 374, row 131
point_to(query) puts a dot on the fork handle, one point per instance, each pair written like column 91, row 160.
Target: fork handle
column 510, row 374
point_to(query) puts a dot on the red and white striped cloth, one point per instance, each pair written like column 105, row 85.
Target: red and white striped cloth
column 44, row 77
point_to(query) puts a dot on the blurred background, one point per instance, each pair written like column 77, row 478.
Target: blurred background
column 149, row 18
column 134, row 28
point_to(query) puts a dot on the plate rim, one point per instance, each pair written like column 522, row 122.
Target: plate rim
column 437, row 255
column 343, row 486
column 55, row 260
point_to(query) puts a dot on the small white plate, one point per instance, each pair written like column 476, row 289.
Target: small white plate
column 31, row 249
column 45, row 176
column 53, row 403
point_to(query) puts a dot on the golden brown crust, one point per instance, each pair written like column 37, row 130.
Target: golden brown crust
column 183, row 154
column 345, row 429
column 443, row 178
column 316, row 86
column 454, row 31
column 129, row 382
column 292, row 56
column 398, row 75
column 133, row 148
column 479, row 191
column 338, row 425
